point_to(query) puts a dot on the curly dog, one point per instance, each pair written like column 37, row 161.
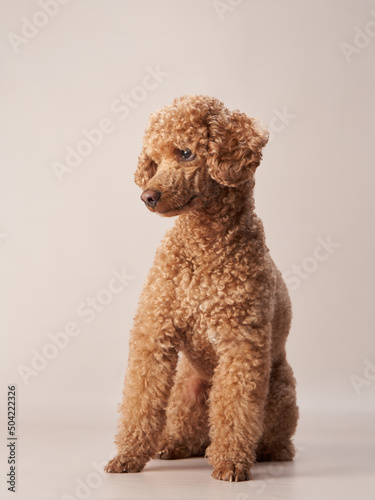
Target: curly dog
column 207, row 372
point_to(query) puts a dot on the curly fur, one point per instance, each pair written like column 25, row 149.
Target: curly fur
column 213, row 295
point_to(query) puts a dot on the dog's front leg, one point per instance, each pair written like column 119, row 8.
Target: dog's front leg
column 148, row 381
column 237, row 400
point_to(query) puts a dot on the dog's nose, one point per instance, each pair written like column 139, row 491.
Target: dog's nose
column 150, row 197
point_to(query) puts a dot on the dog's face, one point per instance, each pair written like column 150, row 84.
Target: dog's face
column 192, row 148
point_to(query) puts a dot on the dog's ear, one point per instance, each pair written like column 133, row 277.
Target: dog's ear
column 234, row 147
column 145, row 171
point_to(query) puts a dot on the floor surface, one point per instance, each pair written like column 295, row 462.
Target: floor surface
column 336, row 460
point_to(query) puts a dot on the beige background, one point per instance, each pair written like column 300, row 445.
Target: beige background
column 60, row 242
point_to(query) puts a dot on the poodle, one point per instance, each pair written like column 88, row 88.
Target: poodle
column 207, row 372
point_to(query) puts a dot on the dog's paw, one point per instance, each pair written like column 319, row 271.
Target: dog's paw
column 122, row 463
column 179, row 450
column 284, row 452
column 171, row 453
column 232, row 472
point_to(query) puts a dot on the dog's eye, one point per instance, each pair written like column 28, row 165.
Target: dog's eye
column 187, row 154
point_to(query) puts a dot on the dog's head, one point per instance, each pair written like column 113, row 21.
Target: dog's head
column 191, row 148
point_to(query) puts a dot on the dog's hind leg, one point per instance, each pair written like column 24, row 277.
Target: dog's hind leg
column 280, row 416
column 186, row 433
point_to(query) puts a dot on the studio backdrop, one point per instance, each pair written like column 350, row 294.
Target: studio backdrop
column 79, row 80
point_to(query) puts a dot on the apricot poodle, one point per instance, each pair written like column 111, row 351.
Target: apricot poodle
column 207, row 372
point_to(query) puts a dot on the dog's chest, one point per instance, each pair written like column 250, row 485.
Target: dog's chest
column 197, row 299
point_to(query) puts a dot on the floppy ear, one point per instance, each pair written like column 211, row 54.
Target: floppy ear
column 145, row 171
column 234, row 147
